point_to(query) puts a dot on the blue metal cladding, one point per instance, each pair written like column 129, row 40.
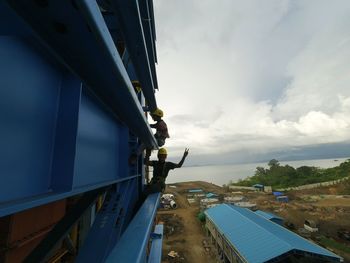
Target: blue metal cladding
column 60, row 137
column 70, row 117
column 97, row 145
column 77, row 35
column 29, row 92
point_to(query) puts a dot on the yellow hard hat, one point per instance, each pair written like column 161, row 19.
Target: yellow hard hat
column 162, row 151
column 136, row 85
column 158, row 112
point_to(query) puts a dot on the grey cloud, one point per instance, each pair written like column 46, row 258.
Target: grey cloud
column 259, row 77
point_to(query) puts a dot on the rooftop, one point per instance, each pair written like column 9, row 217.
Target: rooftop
column 267, row 215
column 258, row 239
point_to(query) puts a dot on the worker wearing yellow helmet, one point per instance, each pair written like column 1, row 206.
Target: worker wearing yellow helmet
column 137, row 86
column 161, row 128
column 158, row 113
column 161, row 135
column 161, row 169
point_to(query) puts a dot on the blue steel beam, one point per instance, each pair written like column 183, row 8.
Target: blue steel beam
column 128, row 15
column 61, row 229
column 153, row 26
column 106, row 226
column 155, row 255
column 149, row 38
column 133, row 243
column 80, row 39
column 20, row 205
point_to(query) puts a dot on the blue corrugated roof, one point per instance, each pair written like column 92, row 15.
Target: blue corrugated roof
column 277, row 193
column 195, row 190
column 267, row 215
column 209, row 195
column 256, row 238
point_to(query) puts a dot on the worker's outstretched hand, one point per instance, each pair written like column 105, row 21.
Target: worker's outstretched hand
column 186, row 152
column 148, row 153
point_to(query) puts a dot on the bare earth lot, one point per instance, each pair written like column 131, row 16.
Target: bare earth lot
column 185, row 234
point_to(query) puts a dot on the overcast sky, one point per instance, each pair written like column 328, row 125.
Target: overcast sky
column 253, row 76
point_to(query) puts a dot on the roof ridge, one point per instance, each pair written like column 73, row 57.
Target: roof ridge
column 259, row 226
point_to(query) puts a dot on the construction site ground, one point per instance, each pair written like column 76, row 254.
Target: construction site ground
column 186, row 241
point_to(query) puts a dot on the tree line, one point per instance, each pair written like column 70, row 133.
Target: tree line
column 282, row 176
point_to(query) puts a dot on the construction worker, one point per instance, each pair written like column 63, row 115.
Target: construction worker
column 137, row 86
column 161, row 134
column 161, row 169
column 161, row 128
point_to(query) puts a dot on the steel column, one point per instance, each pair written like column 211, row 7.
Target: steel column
column 128, row 15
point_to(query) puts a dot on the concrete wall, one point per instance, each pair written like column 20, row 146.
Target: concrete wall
column 234, row 187
column 316, row 185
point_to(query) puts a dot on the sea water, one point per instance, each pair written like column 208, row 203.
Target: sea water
column 223, row 174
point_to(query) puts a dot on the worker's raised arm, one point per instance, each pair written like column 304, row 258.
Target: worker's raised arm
column 183, row 158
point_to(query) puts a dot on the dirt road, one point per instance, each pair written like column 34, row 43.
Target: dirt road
column 188, row 240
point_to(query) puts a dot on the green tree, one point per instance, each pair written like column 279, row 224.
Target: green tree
column 273, row 163
column 286, row 176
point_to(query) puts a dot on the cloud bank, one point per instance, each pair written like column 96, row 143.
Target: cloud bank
column 253, row 76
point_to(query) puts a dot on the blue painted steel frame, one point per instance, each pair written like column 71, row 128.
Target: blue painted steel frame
column 70, row 116
column 155, row 255
column 136, row 44
column 107, row 227
column 133, row 243
column 78, row 36
column 65, row 118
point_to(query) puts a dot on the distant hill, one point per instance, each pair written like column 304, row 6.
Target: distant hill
column 279, row 176
column 320, row 151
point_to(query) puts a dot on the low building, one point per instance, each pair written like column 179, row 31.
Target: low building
column 276, row 193
column 240, row 235
column 206, row 202
column 248, row 205
column 211, row 195
column 197, row 190
column 310, row 225
column 267, row 189
column 282, row 198
column 237, row 187
column 258, row 187
column 233, row 199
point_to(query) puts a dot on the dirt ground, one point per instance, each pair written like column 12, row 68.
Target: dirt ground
column 185, row 234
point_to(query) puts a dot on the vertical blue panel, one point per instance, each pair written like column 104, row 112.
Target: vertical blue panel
column 66, row 134
column 123, row 167
column 29, row 91
column 97, row 155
